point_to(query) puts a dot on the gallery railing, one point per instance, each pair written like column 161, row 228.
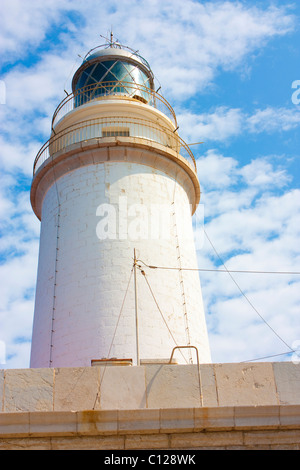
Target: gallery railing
column 113, row 127
column 120, row 88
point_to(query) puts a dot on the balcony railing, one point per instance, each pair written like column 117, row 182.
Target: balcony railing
column 120, row 88
column 113, row 127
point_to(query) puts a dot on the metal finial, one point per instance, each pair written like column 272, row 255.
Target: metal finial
column 110, row 41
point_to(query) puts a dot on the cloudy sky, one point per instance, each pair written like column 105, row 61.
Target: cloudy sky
column 231, row 71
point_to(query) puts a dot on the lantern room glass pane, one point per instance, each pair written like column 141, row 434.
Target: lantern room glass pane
column 110, row 71
column 119, row 71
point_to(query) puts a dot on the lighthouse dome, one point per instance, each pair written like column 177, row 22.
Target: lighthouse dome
column 112, row 70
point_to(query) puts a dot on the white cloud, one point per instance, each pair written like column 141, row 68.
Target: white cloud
column 260, row 172
column 18, row 276
column 253, row 227
column 262, row 219
column 218, row 173
column 17, row 156
column 200, row 36
column 206, row 36
column 18, row 268
column 24, row 24
column 273, row 119
column 38, row 87
column 223, row 124
column 219, row 125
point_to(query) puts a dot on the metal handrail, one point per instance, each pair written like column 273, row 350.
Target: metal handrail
column 93, row 129
column 184, row 347
column 99, row 90
column 198, row 366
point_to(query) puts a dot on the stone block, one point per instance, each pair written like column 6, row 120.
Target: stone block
column 27, row 443
column 117, row 154
column 56, row 423
column 88, row 443
column 219, row 418
column 287, row 380
column 76, row 388
column 97, row 422
column 177, row 420
column 208, row 385
column 199, row 440
column 276, row 437
column 14, row 424
column 147, row 441
column 266, row 417
column 172, row 386
column 244, row 384
column 87, row 145
column 290, row 416
column 139, row 421
column 122, row 388
column 28, row 390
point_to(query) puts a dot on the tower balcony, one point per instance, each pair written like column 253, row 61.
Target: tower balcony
column 110, row 130
column 93, row 94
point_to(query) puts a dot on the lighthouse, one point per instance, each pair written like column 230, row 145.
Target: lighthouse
column 115, row 188
column 120, row 357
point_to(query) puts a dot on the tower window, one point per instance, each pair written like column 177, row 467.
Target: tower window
column 115, row 131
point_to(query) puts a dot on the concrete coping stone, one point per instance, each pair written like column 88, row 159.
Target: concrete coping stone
column 149, row 421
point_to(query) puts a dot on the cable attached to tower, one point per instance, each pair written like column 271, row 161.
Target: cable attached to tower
column 160, row 311
column 113, row 337
column 291, row 350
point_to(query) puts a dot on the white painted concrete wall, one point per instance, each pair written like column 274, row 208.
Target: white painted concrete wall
column 81, row 301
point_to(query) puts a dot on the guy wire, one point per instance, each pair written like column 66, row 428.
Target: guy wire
column 113, row 337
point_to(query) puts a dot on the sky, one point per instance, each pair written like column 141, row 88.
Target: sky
column 230, row 70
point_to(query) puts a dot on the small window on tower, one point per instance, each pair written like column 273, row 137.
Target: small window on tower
column 115, row 131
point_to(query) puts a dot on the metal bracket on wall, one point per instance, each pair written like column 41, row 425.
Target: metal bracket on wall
column 198, row 366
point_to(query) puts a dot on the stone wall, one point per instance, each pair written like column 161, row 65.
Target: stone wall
column 262, row 427
column 247, row 406
column 149, row 386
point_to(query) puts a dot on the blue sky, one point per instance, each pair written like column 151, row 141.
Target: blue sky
column 227, row 68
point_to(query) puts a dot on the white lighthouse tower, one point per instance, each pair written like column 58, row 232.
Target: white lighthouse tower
column 115, row 188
